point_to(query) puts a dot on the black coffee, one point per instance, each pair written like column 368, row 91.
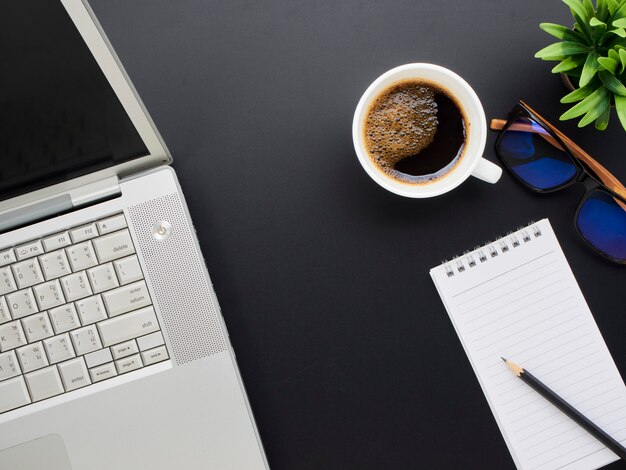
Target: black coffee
column 415, row 131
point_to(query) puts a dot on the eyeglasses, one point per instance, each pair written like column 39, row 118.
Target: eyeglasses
column 543, row 159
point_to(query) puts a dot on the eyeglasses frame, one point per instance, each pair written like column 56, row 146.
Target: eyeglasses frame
column 593, row 180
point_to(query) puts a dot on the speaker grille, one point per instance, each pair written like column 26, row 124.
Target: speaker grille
column 175, row 271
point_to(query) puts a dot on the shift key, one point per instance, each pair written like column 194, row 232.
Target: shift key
column 128, row 326
column 126, row 298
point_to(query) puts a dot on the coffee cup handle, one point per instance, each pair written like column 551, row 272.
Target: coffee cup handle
column 487, row 171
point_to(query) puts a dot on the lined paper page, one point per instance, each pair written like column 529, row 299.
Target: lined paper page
column 524, row 304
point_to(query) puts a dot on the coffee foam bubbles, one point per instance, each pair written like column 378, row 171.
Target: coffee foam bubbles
column 401, row 122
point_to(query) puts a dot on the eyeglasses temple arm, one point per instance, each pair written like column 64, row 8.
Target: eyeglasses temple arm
column 498, row 125
column 602, row 173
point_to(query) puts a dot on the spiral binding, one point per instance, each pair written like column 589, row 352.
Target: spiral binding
column 490, row 250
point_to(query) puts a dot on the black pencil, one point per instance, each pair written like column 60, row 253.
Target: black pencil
column 568, row 409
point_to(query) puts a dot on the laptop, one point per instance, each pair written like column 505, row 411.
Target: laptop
column 113, row 349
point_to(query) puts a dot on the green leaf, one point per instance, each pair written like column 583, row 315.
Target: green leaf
column 622, row 58
column 561, row 32
column 595, row 112
column 602, row 8
column 561, row 49
column 584, row 29
column 589, row 10
column 620, row 107
column 620, row 9
column 579, row 93
column 603, row 120
column 609, row 64
column 589, row 69
column 577, row 9
column 612, row 82
column 613, row 54
column 586, row 105
column 619, row 23
column 619, row 32
column 615, row 43
column 612, row 6
column 568, row 64
column 596, row 22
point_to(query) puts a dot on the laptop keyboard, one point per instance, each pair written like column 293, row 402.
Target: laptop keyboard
column 74, row 310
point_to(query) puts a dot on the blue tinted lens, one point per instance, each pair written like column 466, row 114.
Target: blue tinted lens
column 535, row 156
column 602, row 221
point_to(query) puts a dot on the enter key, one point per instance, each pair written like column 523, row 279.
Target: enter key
column 126, row 298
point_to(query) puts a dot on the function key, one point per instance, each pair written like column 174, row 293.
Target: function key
column 84, row 233
column 112, row 224
column 29, row 250
column 7, row 257
column 56, row 241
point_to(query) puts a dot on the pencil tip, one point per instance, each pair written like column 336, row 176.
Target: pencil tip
column 503, row 358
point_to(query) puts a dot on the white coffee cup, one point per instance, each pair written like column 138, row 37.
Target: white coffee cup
column 471, row 162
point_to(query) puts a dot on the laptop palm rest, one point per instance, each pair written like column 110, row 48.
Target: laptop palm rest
column 45, row 452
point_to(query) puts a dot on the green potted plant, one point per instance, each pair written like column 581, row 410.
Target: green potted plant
column 592, row 54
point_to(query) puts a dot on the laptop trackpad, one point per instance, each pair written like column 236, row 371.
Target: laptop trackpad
column 45, row 452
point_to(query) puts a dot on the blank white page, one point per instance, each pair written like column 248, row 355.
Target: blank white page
column 524, row 304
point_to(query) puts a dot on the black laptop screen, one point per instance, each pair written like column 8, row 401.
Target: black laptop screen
column 59, row 117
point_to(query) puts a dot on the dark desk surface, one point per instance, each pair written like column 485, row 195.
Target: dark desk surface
column 347, row 353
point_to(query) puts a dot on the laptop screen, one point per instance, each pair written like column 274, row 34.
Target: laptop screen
column 59, row 117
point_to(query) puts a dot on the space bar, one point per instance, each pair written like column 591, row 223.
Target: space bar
column 128, row 326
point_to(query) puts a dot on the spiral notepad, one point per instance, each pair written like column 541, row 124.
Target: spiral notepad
column 517, row 297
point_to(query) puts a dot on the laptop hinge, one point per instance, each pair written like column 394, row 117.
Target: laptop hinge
column 54, row 205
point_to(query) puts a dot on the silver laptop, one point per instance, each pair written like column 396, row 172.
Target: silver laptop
column 113, row 350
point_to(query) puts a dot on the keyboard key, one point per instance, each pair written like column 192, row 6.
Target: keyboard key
column 55, row 264
column 102, row 278
column 49, row 295
column 59, row 348
column 128, row 364
column 154, row 355
column 64, row 318
column 74, row 374
column 128, row 326
column 112, row 224
column 86, row 340
column 27, row 273
column 126, row 298
column 150, row 341
column 128, row 270
column 22, row 303
column 37, row 327
column 57, row 241
column 11, row 336
column 91, row 310
column 32, row 357
column 113, row 246
column 75, row 286
column 5, row 316
column 96, row 358
column 7, row 257
column 8, row 365
column 81, row 256
column 13, row 394
column 124, row 349
column 44, row 383
column 7, row 281
column 29, row 250
column 84, row 233
column 102, row 372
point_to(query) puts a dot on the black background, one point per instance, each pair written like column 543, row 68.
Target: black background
column 348, row 356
